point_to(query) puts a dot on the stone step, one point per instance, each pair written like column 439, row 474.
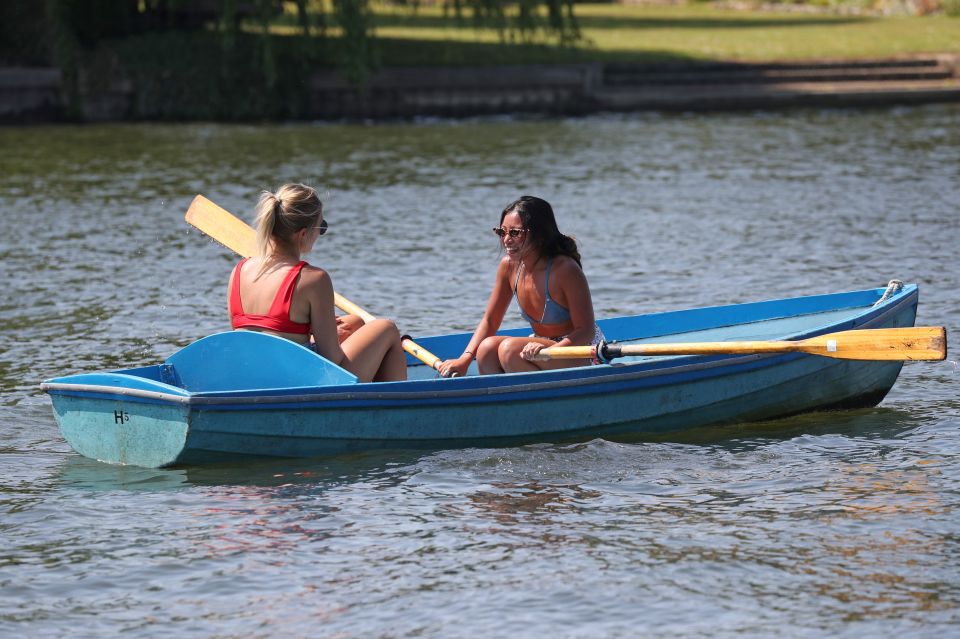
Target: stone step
column 905, row 63
column 776, row 75
column 37, row 94
column 892, row 70
column 700, row 97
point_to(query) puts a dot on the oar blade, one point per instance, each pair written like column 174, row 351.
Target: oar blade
column 910, row 343
column 222, row 226
column 235, row 234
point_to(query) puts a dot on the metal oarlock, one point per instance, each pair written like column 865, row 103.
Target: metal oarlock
column 604, row 353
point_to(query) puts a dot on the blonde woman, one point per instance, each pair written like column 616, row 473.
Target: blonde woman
column 278, row 293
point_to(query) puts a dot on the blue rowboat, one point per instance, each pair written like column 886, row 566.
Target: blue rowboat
column 243, row 393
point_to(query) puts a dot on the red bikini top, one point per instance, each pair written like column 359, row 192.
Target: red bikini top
column 278, row 317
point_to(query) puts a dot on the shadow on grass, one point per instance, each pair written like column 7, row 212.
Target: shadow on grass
column 396, row 52
column 614, row 23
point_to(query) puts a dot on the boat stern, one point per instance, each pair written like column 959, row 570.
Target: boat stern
column 121, row 418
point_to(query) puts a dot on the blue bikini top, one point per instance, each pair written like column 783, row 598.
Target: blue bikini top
column 553, row 313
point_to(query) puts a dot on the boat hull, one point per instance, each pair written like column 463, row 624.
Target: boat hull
column 133, row 432
column 752, row 395
column 161, row 423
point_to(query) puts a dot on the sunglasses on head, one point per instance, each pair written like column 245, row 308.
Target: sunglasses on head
column 502, row 232
column 323, row 227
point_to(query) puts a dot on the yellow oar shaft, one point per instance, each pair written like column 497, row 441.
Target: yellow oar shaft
column 238, row 236
column 346, row 305
column 910, row 343
column 419, row 352
column 680, row 348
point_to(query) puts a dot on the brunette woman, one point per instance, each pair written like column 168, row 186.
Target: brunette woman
column 541, row 267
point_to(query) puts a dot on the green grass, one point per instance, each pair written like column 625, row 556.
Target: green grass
column 191, row 75
column 651, row 33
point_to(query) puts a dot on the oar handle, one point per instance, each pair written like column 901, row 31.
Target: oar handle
column 601, row 352
column 419, row 352
column 406, row 341
column 566, row 352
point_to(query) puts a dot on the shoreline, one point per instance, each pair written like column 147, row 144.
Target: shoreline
column 36, row 96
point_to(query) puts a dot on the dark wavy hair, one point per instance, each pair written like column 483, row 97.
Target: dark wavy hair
column 541, row 224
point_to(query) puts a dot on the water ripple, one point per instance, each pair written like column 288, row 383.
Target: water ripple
column 828, row 524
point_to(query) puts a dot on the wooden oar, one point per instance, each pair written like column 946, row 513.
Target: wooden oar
column 913, row 343
column 238, row 236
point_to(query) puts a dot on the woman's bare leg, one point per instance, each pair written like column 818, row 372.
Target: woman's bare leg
column 347, row 325
column 374, row 352
column 488, row 361
column 511, row 361
column 393, row 368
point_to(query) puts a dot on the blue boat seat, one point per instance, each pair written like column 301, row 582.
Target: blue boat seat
column 247, row 360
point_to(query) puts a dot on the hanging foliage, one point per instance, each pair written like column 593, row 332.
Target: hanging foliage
column 239, row 58
column 516, row 20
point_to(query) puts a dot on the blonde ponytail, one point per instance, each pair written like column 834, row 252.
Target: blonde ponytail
column 280, row 215
column 265, row 221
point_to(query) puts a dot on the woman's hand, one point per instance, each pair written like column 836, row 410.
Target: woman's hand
column 531, row 349
column 455, row 367
column 346, row 326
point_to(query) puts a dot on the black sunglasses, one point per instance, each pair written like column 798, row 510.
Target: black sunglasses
column 323, row 227
column 499, row 230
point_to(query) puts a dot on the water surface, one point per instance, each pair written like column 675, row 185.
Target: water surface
column 828, row 524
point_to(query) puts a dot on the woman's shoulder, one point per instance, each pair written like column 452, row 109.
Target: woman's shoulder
column 313, row 275
column 505, row 266
column 565, row 264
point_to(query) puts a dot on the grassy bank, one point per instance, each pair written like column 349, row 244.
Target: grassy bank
column 648, row 33
column 192, row 75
